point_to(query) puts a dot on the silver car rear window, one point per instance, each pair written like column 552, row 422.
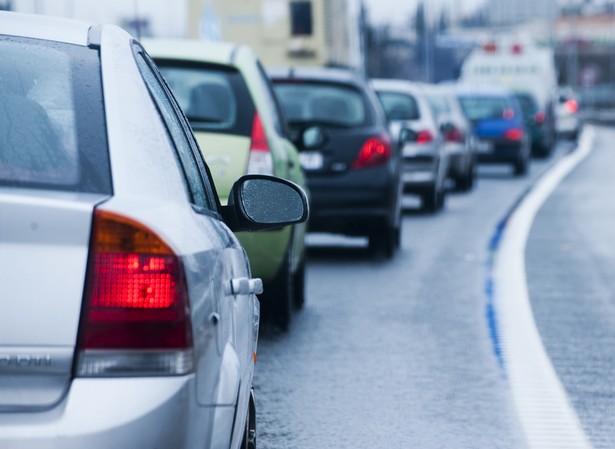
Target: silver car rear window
column 52, row 129
column 399, row 106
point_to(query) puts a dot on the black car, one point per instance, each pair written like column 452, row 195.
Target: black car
column 351, row 162
column 539, row 123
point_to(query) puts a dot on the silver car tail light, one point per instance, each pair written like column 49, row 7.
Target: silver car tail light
column 135, row 319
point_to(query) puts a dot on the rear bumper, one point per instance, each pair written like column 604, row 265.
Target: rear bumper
column 503, row 151
column 118, row 413
column 567, row 124
column 353, row 202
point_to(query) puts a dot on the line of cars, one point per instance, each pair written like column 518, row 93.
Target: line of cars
column 355, row 145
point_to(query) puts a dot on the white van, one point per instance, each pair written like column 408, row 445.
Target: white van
column 528, row 70
column 515, row 63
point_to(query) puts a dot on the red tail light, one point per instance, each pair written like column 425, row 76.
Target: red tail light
column 571, row 106
column 375, row 151
column 136, row 314
column 424, row 136
column 259, row 160
column 454, row 135
column 490, row 47
column 539, row 117
column 514, row 134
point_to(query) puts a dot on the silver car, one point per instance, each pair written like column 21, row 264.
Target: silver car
column 459, row 139
column 425, row 161
column 128, row 316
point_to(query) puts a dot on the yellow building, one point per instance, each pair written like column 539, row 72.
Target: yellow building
column 285, row 32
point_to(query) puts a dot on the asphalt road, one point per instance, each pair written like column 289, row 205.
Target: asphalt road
column 570, row 262
column 399, row 353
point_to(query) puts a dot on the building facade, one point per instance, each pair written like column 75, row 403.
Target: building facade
column 285, row 32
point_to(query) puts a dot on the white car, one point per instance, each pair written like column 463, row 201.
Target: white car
column 425, row 161
column 128, row 316
column 567, row 121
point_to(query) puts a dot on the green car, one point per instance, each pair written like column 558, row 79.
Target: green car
column 239, row 126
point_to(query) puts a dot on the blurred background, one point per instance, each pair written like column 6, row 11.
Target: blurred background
column 419, row 40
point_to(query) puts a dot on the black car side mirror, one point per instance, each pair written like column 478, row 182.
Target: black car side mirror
column 407, row 135
column 312, row 137
column 260, row 202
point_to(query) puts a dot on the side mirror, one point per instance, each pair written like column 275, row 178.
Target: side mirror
column 446, row 127
column 260, row 202
column 407, row 135
column 312, row 137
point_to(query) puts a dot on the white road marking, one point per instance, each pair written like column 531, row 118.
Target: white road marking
column 546, row 415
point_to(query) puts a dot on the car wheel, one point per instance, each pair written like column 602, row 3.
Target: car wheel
column 429, row 200
column 521, row 167
column 398, row 237
column 299, row 284
column 441, row 199
column 465, row 183
column 278, row 296
column 383, row 242
column 249, row 436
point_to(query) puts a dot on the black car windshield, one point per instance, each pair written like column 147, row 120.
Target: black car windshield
column 528, row 104
column 215, row 98
column 52, row 127
column 399, row 106
column 485, row 107
column 333, row 104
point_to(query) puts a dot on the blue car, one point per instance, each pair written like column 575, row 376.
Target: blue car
column 499, row 125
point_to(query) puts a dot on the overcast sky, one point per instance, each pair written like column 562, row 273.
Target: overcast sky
column 398, row 11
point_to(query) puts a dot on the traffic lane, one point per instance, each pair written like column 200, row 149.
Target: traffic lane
column 395, row 353
column 570, row 261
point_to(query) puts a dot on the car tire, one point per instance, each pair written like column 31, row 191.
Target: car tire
column 441, row 199
column 465, row 183
column 383, row 242
column 429, row 200
column 249, row 436
column 434, row 201
column 521, row 167
column 278, row 295
column 398, row 236
column 299, row 284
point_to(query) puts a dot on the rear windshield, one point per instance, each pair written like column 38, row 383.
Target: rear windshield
column 52, row 128
column 527, row 103
column 331, row 104
column 483, row 107
column 215, row 98
column 399, row 106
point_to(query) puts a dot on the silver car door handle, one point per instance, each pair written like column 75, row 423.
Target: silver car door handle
column 245, row 286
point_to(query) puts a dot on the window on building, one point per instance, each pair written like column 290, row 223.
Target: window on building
column 301, row 18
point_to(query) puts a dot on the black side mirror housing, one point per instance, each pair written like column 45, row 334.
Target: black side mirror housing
column 406, row 135
column 311, row 138
column 260, row 202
